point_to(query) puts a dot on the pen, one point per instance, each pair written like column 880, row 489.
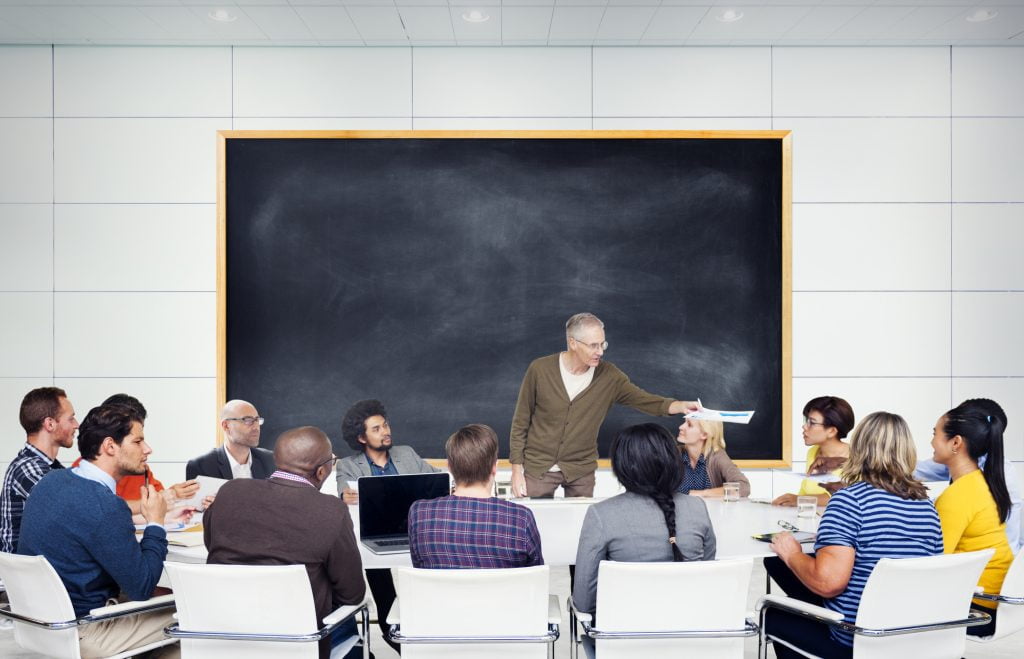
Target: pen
column 147, row 477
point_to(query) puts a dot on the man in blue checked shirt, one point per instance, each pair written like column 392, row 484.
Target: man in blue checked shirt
column 49, row 421
column 472, row 528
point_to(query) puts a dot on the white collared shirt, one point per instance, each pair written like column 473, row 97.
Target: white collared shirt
column 239, row 470
column 89, row 471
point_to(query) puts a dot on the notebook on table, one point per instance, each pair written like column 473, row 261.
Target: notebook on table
column 384, row 503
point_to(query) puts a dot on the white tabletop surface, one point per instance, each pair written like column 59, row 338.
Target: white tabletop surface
column 560, row 521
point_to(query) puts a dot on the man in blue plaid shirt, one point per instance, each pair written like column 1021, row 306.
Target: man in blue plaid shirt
column 49, row 421
column 471, row 528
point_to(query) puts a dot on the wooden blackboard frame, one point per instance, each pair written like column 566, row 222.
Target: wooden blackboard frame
column 785, row 220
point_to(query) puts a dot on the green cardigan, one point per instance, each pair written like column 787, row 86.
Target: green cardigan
column 548, row 429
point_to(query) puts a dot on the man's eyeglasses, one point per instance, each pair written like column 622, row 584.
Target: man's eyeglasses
column 593, row 346
column 247, row 420
column 333, row 460
column 811, row 422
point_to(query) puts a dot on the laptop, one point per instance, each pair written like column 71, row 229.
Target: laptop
column 384, row 503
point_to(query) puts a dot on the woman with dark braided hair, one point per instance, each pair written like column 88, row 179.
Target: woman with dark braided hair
column 974, row 508
column 650, row 521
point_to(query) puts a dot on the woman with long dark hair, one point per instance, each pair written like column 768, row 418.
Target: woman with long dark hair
column 974, row 508
column 650, row 521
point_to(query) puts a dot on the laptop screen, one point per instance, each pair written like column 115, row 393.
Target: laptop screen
column 384, row 501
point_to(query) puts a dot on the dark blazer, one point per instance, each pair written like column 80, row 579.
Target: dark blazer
column 215, row 464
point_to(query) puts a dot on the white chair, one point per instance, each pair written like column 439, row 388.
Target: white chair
column 44, row 620
column 1010, row 609
column 661, row 610
column 910, row 607
column 255, row 611
column 442, row 614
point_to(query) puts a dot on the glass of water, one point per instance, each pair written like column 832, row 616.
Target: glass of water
column 806, row 506
column 731, row 492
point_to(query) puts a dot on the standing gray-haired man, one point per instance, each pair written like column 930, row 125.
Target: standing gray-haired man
column 562, row 402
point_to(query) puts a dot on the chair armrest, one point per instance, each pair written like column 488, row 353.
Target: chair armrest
column 554, row 611
column 394, row 615
column 342, row 613
column 798, row 606
column 128, row 608
column 580, row 615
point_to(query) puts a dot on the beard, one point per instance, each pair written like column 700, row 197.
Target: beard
column 131, row 468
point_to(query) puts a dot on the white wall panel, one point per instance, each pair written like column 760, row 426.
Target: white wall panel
column 493, row 82
column 918, row 400
column 987, row 246
column 26, row 247
column 26, row 81
column 872, row 82
column 672, row 82
column 870, row 334
column 166, row 247
column 988, row 82
column 1009, row 393
column 682, row 123
column 869, row 159
column 988, row 159
column 838, row 247
column 136, row 160
column 157, row 335
column 26, row 339
column 142, row 82
column 502, row 123
column 182, row 413
column 12, row 435
column 322, row 82
column 26, row 160
column 986, row 334
column 323, row 123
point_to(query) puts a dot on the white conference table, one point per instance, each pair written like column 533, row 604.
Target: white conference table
column 560, row 520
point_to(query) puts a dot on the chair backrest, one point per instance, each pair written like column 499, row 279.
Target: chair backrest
column 253, row 599
column 35, row 590
column 1011, row 616
column 689, row 596
column 465, row 603
column 903, row 592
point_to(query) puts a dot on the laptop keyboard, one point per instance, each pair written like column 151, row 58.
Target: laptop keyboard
column 390, row 543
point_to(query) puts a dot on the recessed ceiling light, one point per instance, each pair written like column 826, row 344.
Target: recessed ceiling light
column 222, row 16
column 981, row 15
column 475, row 16
column 729, row 16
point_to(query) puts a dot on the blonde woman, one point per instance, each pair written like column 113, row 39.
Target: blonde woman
column 884, row 512
column 706, row 465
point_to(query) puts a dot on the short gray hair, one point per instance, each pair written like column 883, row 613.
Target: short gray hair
column 579, row 321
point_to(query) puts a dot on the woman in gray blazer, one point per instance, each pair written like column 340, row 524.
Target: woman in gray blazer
column 650, row 521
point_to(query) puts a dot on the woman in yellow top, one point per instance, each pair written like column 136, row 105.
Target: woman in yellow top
column 973, row 509
column 827, row 420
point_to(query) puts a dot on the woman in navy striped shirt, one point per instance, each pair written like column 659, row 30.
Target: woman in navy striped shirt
column 883, row 513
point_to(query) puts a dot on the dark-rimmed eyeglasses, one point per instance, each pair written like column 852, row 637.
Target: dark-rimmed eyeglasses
column 247, row 420
column 333, row 460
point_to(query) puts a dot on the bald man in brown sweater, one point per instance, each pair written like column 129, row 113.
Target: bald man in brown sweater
column 285, row 520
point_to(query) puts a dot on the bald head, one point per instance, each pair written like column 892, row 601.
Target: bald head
column 301, row 450
column 237, row 408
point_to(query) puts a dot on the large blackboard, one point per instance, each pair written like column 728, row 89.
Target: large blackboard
column 428, row 272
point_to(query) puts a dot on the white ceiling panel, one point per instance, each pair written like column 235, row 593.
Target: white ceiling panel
column 525, row 24
column 576, row 24
column 130, row 23
column 378, row 23
column 278, row 22
column 485, row 33
column 624, row 23
column 1009, row 22
column 871, row 22
column 673, row 23
column 520, row 3
column 821, row 22
column 757, row 23
column 329, row 23
column 920, row 22
column 424, row 24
